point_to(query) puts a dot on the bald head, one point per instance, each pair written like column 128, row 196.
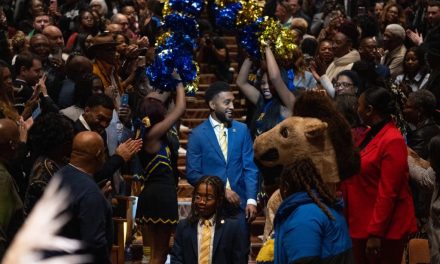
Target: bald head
column 9, row 137
column 55, row 36
column 88, row 151
column 120, row 19
column 88, row 143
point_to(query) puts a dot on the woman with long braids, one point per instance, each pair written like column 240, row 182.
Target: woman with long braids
column 206, row 218
column 309, row 225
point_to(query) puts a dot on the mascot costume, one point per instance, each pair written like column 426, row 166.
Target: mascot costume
column 317, row 130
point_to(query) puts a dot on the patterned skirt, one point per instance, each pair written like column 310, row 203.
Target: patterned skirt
column 158, row 204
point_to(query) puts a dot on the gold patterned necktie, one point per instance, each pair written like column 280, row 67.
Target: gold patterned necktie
column 223, row 141
column 205, row 243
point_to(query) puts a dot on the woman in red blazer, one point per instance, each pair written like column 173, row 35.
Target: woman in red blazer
column 380, row 208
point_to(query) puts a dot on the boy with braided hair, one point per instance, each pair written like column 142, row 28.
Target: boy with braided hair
column 309, row 226
column 207, row 236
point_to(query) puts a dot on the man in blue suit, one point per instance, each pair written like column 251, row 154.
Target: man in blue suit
column 223, row 147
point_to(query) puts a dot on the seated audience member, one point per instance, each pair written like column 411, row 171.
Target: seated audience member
column 426, row 175
column 433, row 24
column 28, row 71
column 302, row 78
column 103, row 49
column 395, row 50
column 434, row 231
column 344, row 42
column 41, row 21
column 347, row 82
column 323, row 57
column 415, row 73
column 329, row 12
column 30, row 93
column 368, row 50
column 25, row 12
column 283, row 13
column 39, row 45
column 130, row 12
column 100, row 11
column 86, row 25
column 332, row 22
column 206, row 236
column 309, row 225
column 19, row 44
column 122, row 20
column 299, row 27
column 418, row 112
column 55, row 37
column 433, row 61
column 309, row 47
column 392, row 14
column 367, row 25
column 89, row 85
column 53, row 64
column 50, row 140
column 296, row 8
column 77, row 67
column 378, row 8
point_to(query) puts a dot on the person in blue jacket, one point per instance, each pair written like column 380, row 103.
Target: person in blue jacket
column 309, row 225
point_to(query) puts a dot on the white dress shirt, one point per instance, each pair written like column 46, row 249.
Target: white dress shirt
column 216, row 126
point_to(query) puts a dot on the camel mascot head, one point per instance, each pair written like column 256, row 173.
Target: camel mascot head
column 317, row 130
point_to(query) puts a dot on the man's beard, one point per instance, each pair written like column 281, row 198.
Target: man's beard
column 223, row 119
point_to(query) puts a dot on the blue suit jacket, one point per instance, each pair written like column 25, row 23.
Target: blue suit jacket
column 204, row 157
column 228, row 245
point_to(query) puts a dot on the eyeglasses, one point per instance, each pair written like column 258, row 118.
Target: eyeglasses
column 209, row 198
column 342, row 85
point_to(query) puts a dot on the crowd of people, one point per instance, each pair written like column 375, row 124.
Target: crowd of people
column 76, row 104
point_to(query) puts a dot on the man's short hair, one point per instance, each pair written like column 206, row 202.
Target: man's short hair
column 424, row 100
column 41, row 13
column 214, row 89
column 434, row 3
column 397, row 30
column 24, row 59
column 100, row 100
